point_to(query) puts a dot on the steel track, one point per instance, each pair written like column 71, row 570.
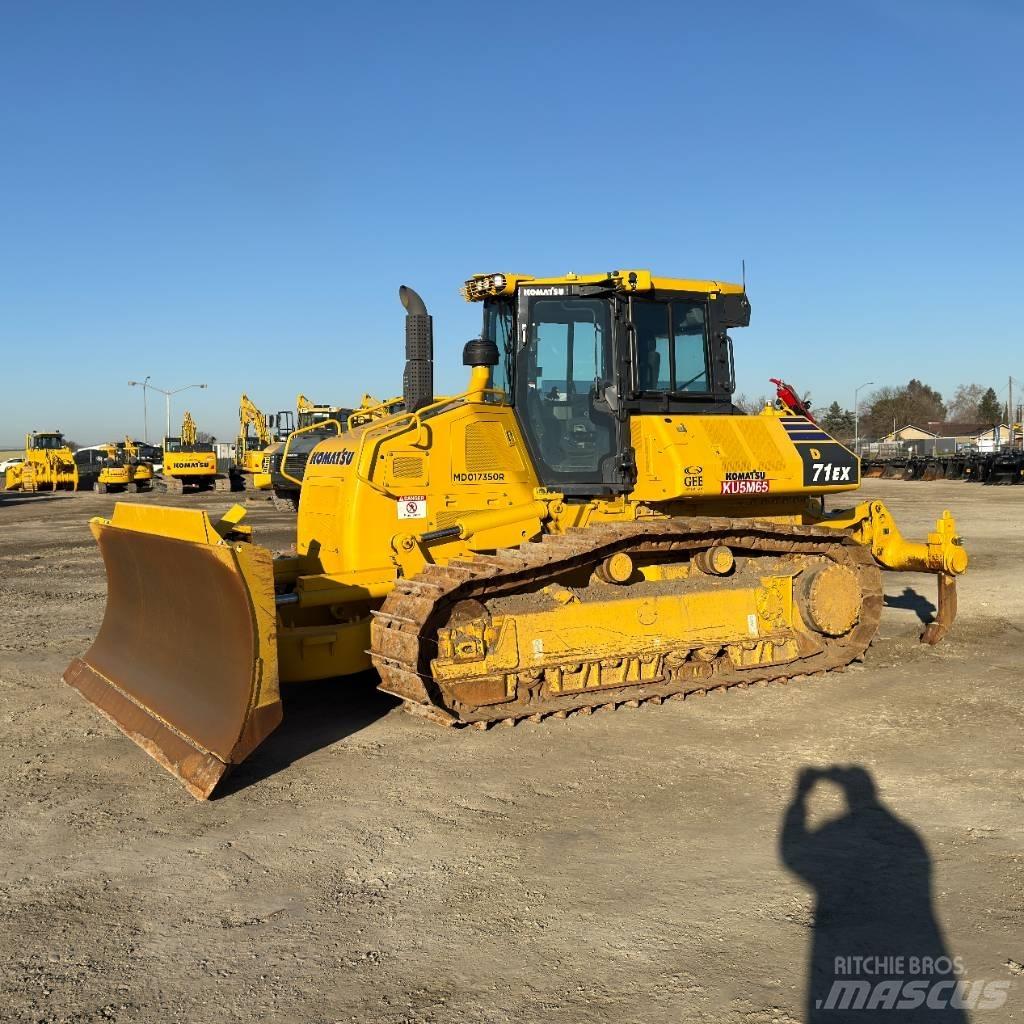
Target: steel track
column 403, row 635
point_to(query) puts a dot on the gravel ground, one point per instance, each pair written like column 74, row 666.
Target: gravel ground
column 366, row 865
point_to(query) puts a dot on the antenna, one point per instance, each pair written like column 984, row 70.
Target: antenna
column 743, row 266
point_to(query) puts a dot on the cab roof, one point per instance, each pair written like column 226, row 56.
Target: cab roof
column 483, row 286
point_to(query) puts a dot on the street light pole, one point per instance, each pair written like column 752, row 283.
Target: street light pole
column 167, row 401
column 856, row 414
column 167, row 396
column 144, row 384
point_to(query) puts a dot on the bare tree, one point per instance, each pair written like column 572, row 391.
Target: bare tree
column 965, row 402
column 751, row 406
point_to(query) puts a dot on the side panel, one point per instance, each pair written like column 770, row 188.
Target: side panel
column 716, row 457
column 363, row 489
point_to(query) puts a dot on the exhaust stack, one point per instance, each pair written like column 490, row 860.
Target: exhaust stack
column 418, row 378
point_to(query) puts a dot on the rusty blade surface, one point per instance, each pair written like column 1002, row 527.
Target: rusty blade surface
column 185, row 662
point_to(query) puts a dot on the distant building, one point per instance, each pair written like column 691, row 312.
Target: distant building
column 949, row 438
column 991, row 439
column 907, row 433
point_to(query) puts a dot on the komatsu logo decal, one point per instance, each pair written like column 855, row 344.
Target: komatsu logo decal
column 338, row 458
column 750, row 481
column 473, row 478
column 190, row 465
column 550, row 290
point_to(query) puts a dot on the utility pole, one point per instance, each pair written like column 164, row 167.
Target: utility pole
column 856, row 415
column 1009, row 409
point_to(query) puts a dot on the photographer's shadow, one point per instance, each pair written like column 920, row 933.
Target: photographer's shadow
column 871, row 874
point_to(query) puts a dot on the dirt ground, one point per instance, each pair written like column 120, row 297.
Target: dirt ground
column 366, row 865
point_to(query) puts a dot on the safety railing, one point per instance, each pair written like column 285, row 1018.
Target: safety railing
column 295, row 433
column 360, row 417
column 404, row 422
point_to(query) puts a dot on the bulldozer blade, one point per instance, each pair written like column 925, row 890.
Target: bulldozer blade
column 945, row 611
column 185, row 662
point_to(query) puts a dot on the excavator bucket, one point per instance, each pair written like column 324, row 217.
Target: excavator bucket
column 185, row 663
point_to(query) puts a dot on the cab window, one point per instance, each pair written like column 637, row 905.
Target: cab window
column 671, row 346
column 498, row 318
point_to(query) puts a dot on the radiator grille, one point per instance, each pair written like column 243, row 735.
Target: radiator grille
column 488, row 449
column 407, row 467
column 444, row 519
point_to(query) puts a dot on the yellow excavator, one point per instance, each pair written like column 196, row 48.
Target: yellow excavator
column 190, row 463
column 140, row 468
column 591, row 523
column 49, row 465
column 257, row 434
column 120, row 467
column 114, row 471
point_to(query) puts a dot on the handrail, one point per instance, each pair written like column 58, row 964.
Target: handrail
column 295, row 433
column 389, row 426
column 367, row 414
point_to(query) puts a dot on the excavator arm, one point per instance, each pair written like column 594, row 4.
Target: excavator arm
column 188, row 431
column 250, row 415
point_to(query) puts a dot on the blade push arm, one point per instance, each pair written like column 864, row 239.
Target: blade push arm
column 942, row 554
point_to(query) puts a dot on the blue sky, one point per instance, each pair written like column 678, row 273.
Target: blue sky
column 232, row 193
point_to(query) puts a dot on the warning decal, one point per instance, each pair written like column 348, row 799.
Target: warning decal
column 412, row 506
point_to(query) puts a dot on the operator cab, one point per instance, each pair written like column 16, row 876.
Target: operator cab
column 48, row 442
column 321, row 414
column 579, row 356
column 281, row 424
column 175, row 444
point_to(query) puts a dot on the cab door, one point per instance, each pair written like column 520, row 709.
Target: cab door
column 564, row 370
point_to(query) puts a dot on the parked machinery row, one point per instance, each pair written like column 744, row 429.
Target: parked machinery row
column 1003, row 467
column 263, row 459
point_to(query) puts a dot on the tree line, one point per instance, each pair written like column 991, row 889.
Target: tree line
column 973, row 406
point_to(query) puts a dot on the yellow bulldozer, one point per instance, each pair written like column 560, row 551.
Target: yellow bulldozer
column 256, row 436
column 591, row 523
column 190, row 464
column 49, row 465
